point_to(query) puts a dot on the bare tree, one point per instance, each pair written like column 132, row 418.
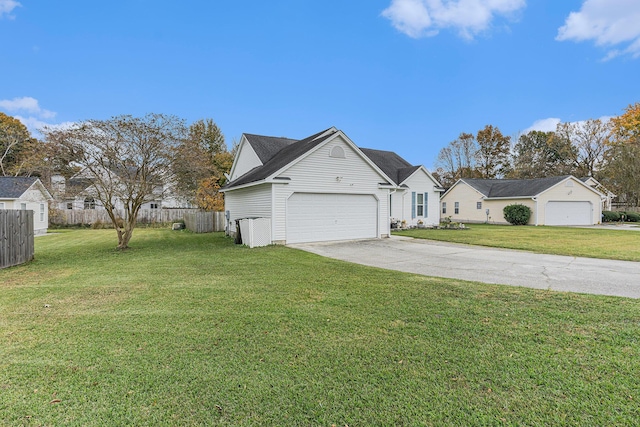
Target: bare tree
column 458, row 159
column 127, row 160
column 590, row 141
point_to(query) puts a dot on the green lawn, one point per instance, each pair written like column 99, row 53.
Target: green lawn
column 189, row 329
column 585, row 242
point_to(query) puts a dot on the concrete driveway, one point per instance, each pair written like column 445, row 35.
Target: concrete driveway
column 488, row 265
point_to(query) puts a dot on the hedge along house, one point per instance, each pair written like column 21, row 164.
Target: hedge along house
column 561, row 200
column 27, row 193
column 324, row 188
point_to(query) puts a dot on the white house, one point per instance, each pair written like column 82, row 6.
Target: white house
column 27, row 193
column 560, row 200
column 324, row 188
column 79, row 193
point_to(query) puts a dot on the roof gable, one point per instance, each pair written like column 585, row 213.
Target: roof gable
column 514, row 188
column 266, row 147
column 281, row 158
column 13, row 187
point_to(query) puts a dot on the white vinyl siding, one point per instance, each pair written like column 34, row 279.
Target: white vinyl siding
column 248, row 202
column 246, row 160
column 322, row 174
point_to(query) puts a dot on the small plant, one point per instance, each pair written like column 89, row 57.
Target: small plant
column 517, row 214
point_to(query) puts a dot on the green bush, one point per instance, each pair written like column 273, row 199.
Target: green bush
column 610, row 216
column 632, row 216
column 517, row 214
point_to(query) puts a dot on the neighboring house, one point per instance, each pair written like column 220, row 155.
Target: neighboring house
column 324, row 188
column 26, row 193
column 561, row 200
column 609, row 196
column 78, row 193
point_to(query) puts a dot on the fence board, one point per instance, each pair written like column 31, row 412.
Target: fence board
column 16, row 237
column 91, row 216
column 204, row 222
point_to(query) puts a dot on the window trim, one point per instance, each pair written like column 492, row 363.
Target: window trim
column 456, row 208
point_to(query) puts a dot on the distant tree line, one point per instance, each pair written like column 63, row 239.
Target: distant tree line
column 608, row 150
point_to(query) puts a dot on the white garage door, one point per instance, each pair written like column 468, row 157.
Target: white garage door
column 568, row 213
column 313, row 217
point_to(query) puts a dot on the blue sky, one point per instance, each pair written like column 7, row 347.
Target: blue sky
column 400, row 75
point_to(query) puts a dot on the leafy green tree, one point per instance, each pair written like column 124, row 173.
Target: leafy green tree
column 19, row 152
column 200, row 162
column 494, row 149
column 541, row 154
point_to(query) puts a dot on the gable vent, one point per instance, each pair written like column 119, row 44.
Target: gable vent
column 337, row 151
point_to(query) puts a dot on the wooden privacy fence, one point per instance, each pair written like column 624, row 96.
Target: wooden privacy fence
column 16, row 237
column 91, row 216
column 204, row 222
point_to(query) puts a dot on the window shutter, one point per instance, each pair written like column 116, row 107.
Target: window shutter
column 413, row 204
column 426, row 205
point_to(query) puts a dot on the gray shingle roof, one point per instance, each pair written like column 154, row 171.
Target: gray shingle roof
column 14, row 187
column 275, row 153
column 279, row 159
column 394, row 166
column 267, row 146
column 494, row 188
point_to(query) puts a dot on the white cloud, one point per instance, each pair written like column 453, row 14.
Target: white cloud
column 550, row 124
column 543, row 125
column 424, row 18
column 608, row 23
column 6, row 6
column 35, row 116
column 27, row 104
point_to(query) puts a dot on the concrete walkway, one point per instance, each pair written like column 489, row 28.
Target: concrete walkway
column 488, row 265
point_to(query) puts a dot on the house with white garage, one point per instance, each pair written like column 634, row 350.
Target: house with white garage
column 608, row 195
column 560, row 200
column 324, row 188
column 26, row 193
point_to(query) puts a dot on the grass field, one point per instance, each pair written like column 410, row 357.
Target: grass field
column 585, row 242
column 187, row 329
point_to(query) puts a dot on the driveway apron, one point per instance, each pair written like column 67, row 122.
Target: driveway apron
column 488, row 265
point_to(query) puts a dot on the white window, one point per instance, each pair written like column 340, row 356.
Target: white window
column 23, row 206
column 444, row 207
column 419, row 203
column 89, row 203
column 1, row 205
column 153, row 205
column 69, row 205
column 41, row 212
column 456, row 207
column 478, row 205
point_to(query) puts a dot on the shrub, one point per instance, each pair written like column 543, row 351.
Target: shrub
column 632, row 217
column 610, row 216
column 517, row 214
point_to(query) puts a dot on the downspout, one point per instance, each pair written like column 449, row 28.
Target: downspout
column 535, row 201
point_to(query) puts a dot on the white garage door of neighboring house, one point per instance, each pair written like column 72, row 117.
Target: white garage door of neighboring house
column 315, row 217
column 568, row 213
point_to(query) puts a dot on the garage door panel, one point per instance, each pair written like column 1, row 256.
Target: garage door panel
column 568, row 213
column 314, row 217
